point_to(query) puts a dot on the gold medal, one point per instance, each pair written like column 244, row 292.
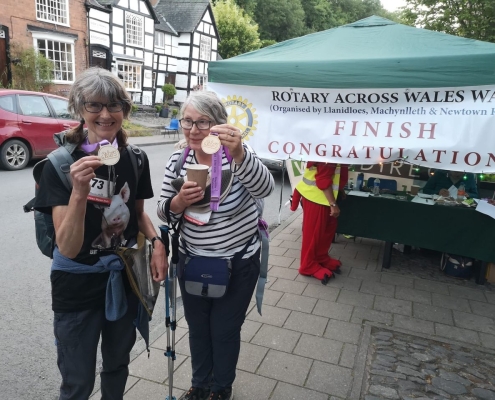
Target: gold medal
column 109, row 155
column 211, row 144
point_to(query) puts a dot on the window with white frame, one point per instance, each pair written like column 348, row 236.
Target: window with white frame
column 205, row 48
column 55, row 11
column 62, row 56
column 168, row 44
column 160, row 40
column 130, row 73
column 134, row 29
column 202, row 80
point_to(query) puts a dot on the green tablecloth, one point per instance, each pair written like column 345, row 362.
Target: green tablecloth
column 458, row 230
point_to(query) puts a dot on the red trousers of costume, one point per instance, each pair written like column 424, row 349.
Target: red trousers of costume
column 318, row 231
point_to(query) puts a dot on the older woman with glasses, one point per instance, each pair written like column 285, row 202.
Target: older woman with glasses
column 228, row 230
column 104, row 210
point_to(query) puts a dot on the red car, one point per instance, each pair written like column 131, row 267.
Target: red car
column 28, row 121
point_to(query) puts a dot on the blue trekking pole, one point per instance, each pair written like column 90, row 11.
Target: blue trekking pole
column 170, row 303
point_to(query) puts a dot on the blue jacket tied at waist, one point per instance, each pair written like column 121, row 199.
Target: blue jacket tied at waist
column 115, row 300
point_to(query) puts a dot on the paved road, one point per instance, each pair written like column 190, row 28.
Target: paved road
column 27, row 352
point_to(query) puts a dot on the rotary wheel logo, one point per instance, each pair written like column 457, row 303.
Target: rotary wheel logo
column 241, row 114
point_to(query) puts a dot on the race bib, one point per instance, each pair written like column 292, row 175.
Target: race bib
column 197, row 218
column 101, row 191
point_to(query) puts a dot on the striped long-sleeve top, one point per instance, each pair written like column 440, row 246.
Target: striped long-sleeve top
column 236, row 222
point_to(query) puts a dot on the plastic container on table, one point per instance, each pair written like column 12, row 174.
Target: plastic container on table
column 376, row 187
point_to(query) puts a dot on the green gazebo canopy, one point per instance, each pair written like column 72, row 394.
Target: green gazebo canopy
column 371, row 53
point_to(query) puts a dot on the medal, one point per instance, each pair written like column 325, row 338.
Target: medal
column 109, row 155
column 211, row 144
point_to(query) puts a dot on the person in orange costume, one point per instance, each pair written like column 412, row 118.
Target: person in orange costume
column 318, row 191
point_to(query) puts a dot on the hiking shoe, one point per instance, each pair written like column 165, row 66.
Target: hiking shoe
column 195, row 393
column 225, row 394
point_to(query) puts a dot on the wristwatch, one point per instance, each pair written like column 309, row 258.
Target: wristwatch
column 155, row 239
column 333, row 205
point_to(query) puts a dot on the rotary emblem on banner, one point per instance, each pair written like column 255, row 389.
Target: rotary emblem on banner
column 241, row 113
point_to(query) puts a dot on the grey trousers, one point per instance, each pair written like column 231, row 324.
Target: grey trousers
column 77, row 335
column 215, row 326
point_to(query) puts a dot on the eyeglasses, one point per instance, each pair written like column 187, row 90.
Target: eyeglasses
column 201, row 124
column 95, row 107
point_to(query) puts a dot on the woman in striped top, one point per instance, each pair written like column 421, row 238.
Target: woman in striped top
column 215, row 324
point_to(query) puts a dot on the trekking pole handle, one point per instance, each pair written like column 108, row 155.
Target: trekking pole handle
column 164, row 235
column 175, row 248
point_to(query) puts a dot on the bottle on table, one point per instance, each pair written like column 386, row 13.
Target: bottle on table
column 359, row 181
column 376, row 187
column 461, row 192
column 350, row 185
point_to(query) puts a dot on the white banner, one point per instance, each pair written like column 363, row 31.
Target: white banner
column 443, row 128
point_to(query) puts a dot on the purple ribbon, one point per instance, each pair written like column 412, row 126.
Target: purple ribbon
column 88, row 148
column 216, row 178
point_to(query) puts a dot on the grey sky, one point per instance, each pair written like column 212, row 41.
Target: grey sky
column 392, row 5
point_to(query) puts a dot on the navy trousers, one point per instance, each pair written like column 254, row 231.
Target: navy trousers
column 77, row 335
column 215, row 326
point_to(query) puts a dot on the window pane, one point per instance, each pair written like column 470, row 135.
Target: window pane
column 134, row 29
column 60, row 107
column 130, row 74
column 61, row 55
column 34, row 106
column 7, row 103
column 54, row 11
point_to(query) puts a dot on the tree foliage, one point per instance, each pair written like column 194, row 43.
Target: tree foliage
column 474, row 19
column 238, row 32
column 280, row 19
column 247, row 5
column 318, row 15
column 30, row 69
column 348, row 11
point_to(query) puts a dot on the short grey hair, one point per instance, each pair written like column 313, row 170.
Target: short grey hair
column 206, row 103
column 97, row 82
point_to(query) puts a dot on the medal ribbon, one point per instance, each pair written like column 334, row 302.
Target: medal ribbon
column 90, row 147
column 216, row 178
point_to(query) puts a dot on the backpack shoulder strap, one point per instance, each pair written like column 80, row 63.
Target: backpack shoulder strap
column 137, row 160
column 61, row 160
column 181, row 160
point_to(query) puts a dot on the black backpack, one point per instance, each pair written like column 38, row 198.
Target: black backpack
column 62, row 159
column 457, row 266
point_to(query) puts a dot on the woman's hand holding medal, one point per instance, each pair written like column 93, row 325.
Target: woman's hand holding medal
column 82, row 172
column 230, row 137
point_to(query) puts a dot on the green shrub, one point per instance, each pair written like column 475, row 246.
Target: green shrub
column 31, row 70
column 169, row 91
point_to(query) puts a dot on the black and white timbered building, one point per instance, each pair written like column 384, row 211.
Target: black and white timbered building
column 190, row 27
column 121, row 39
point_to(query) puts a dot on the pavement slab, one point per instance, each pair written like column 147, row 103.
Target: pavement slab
column 285, row 367
column 418, row 296
column 306, row 323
